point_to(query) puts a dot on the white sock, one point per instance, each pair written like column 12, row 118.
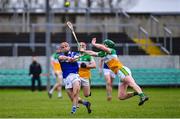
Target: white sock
column 51, row 91
column 59, row 94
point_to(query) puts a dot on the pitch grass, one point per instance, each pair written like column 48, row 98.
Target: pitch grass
column 18, row 103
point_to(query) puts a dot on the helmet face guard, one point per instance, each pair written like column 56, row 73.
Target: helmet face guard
column 109, row 43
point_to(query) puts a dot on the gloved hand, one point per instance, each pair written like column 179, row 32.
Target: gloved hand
column 83, row 65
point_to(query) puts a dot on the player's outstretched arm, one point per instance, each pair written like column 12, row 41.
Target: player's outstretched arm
column 66, row 58
column 92, row 64
column 63, row 57
column 100, row 46
column 90, row 52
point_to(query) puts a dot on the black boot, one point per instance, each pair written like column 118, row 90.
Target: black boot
column 143, row 99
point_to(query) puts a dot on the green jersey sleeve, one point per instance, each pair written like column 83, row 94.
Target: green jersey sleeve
column 101, row 54
column 113, row 51
column 92, row 59
column 55, row 55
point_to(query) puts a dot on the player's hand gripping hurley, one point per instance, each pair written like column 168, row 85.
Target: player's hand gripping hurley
column 73, row 32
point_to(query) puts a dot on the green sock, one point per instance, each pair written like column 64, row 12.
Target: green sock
column 135, row 93
column 108, row 94
column 141, row 94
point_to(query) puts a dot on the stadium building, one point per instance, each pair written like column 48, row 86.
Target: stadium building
column 147, row 36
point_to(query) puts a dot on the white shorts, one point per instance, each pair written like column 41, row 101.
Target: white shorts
column 84, row 82
column 109, row 72
column 70, row 79
column 125, row 71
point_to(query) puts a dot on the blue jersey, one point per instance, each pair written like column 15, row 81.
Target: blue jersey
column 105, row 66
column 68, row 67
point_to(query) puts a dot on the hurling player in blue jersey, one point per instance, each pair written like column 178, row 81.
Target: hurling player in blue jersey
column 69, row 66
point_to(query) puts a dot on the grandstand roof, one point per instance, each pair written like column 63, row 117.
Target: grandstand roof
column 154, row 6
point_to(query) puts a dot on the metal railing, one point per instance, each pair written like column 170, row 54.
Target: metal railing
column 15, row 46
column 129, row 28
column 167, row 45
column 167, row 34
column 169, row 29
column 154, row 22
column 132, row 30
column 142, row 32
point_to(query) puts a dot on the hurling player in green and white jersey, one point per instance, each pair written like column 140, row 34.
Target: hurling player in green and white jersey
column 57, row 73
column 86, row 63
column 108, row 53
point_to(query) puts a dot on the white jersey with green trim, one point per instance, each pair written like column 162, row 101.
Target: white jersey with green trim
column 54, row 58
column 108, row 56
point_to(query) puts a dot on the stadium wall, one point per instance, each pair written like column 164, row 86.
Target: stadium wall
column 147, row 71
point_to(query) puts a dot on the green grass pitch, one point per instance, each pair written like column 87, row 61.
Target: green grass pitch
column 18, row 103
